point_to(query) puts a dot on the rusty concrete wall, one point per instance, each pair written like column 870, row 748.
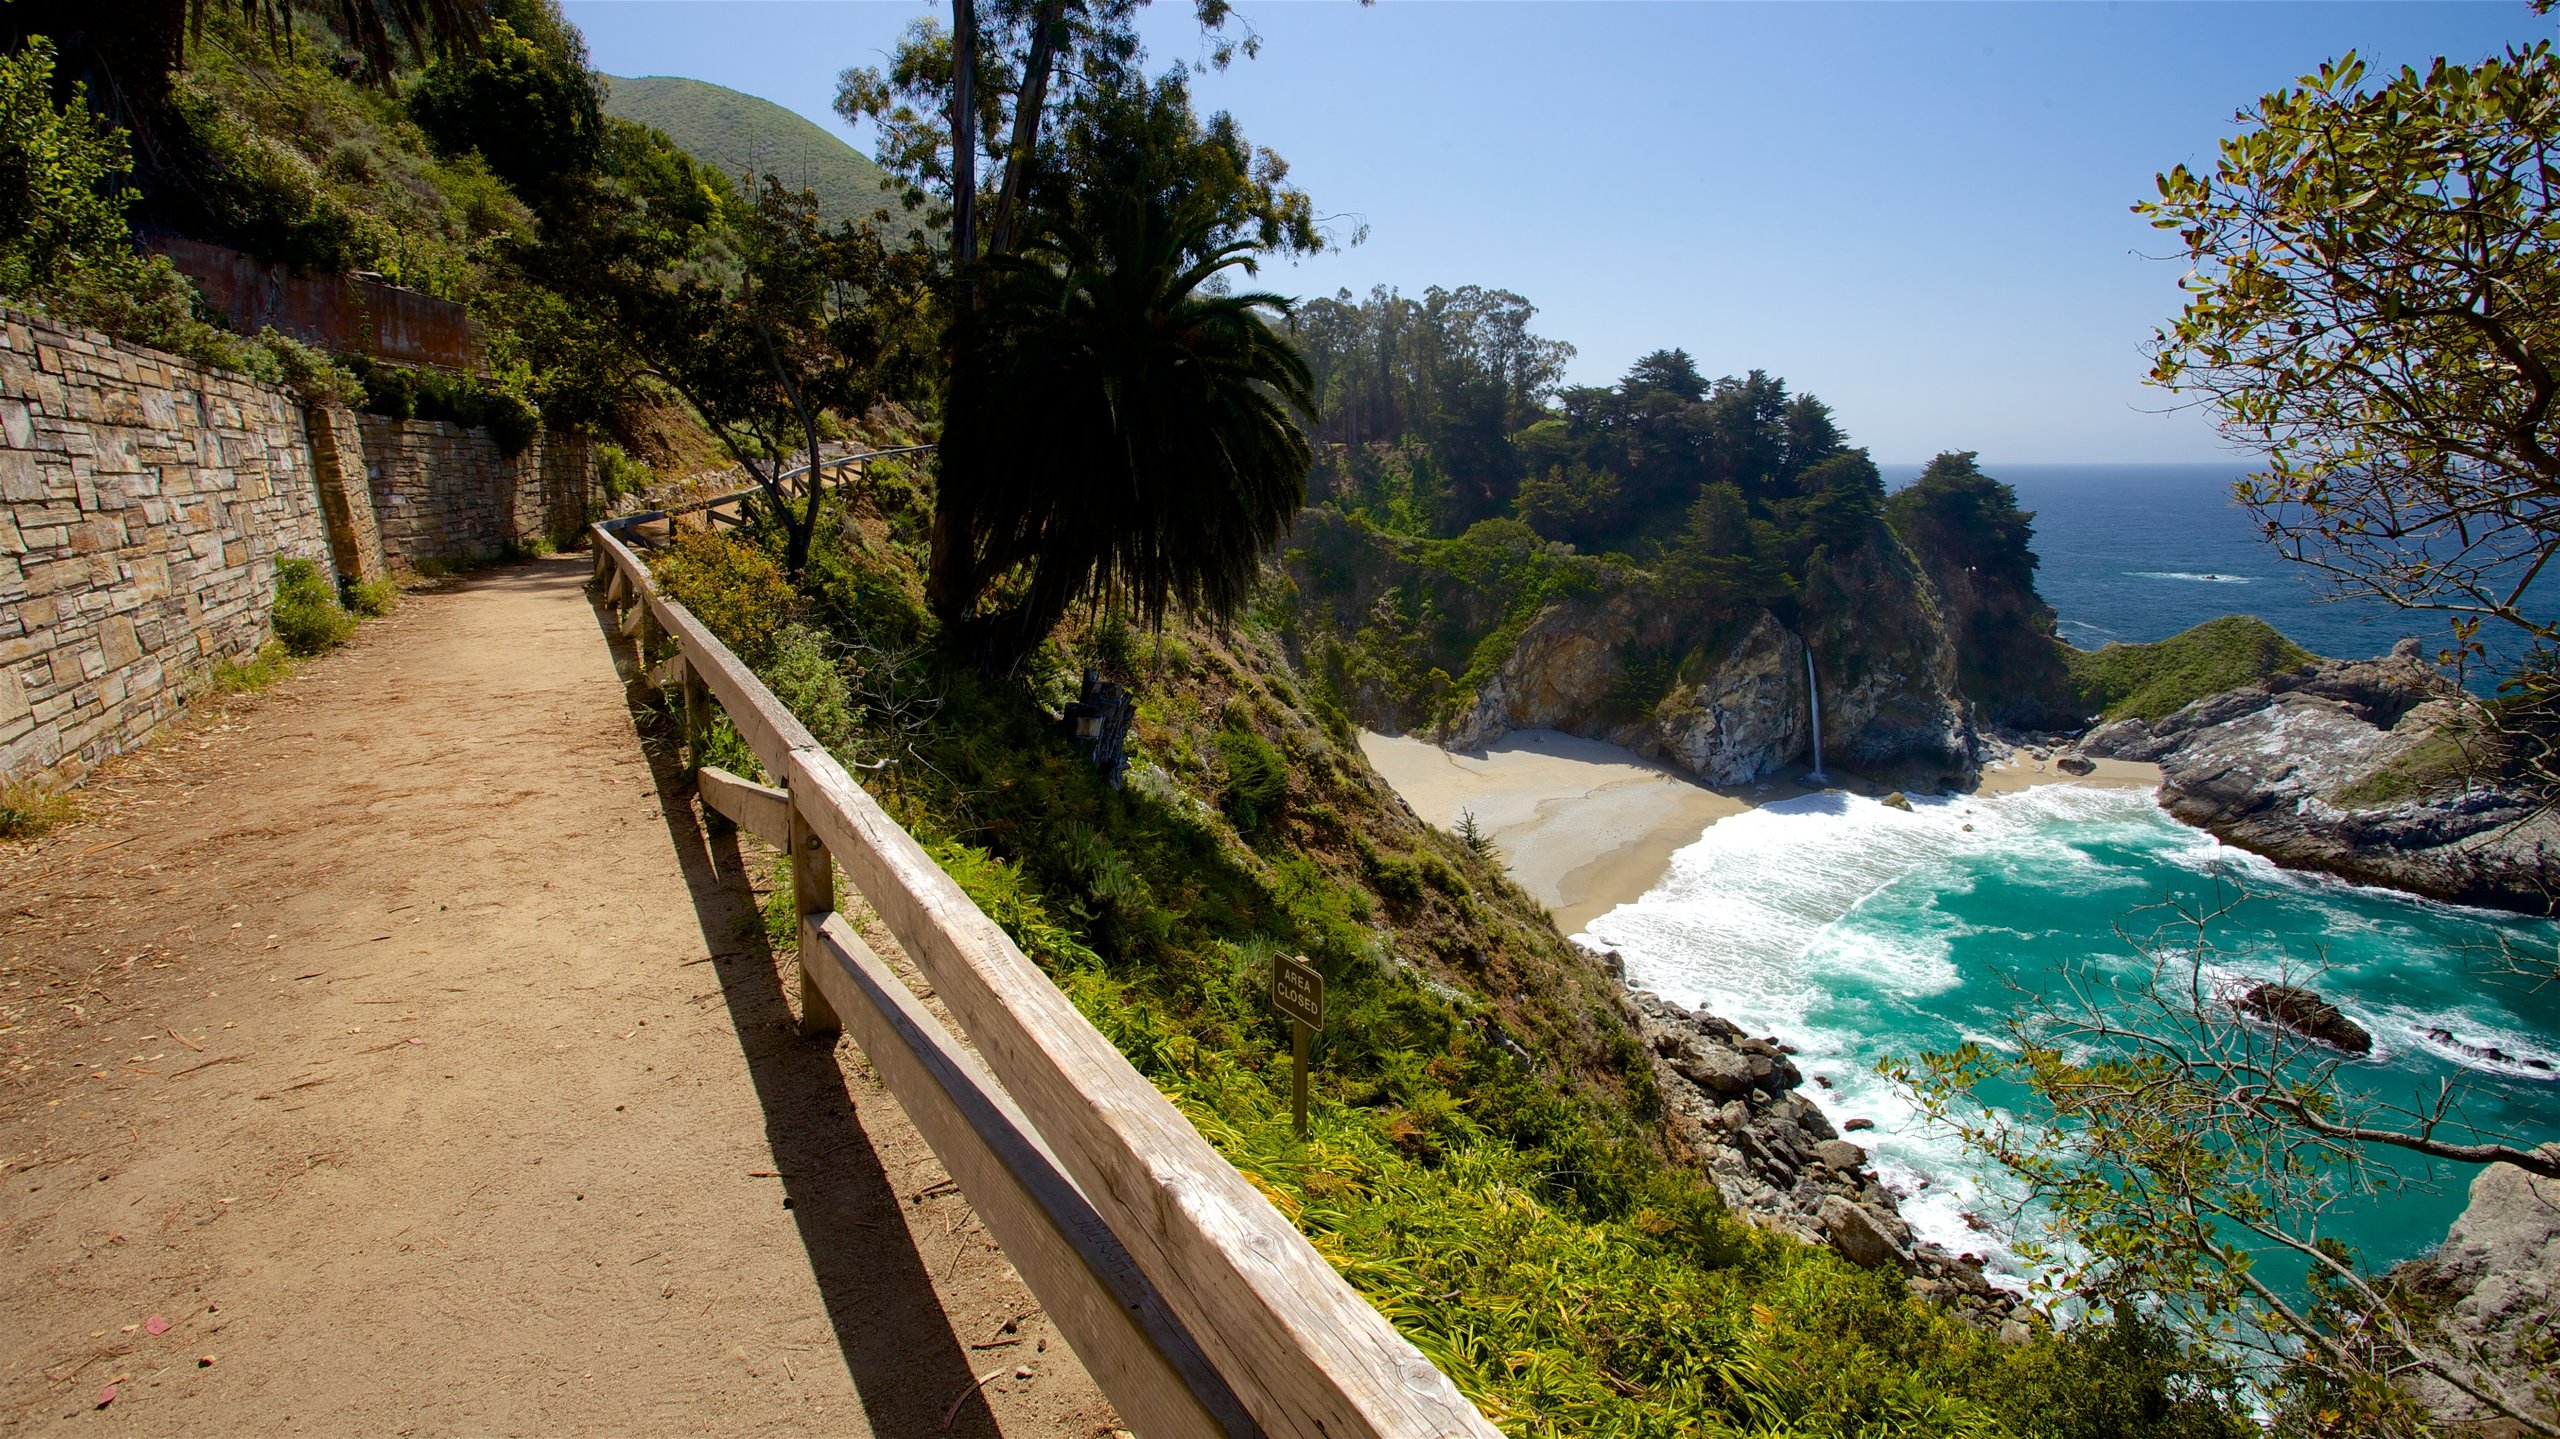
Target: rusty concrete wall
column 343, row 314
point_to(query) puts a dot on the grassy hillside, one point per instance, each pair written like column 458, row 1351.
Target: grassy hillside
column 2153, row 680
column 1484, row 1164
column 733, row 132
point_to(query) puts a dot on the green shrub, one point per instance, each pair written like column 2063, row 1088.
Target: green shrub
column 403, row 393
column 731, row 586
column 244, row 677
column 618, row 475
column 307, row 617
column 803, row 675
column 371, row 599
column 2152, row 681
column 525, row 101
column 28, row 809
column 1256, row 780
column 65, row 243
column 278, row 358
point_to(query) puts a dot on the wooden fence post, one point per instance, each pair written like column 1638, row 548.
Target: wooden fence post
column 813, row 890
column 697, row 720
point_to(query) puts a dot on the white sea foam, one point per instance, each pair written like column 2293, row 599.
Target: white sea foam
column 1852, row 930
column 2468, row 1041
column 2203, row 578
column 1763, row 921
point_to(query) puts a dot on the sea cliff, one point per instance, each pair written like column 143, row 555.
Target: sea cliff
column 2361, row 769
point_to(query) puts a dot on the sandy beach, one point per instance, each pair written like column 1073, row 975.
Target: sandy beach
column 1586, row 826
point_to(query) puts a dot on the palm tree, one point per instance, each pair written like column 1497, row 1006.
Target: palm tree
column 1119, row 429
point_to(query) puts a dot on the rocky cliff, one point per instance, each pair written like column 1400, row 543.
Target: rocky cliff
column 1730, row 1108
column 2495, row 1286
column 1736, row 710
column 2354, row 769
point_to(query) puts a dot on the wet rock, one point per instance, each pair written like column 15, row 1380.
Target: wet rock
column 1897, row 800
column 1854, row 1125
column 2307, row 1014
column 2076, row 764
column 1840, row 1154
column 2280, row 767
column 1748, row 718
column 2126, row 739
column 1779, row 1164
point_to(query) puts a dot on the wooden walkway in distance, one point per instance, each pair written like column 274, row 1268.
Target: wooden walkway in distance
column 402, row 1044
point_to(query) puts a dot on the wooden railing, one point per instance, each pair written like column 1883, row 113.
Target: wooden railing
column 1194, row 1303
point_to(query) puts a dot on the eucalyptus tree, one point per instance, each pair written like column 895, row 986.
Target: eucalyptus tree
column 979, row 95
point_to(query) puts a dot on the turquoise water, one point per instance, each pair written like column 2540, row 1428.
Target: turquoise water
column 1855, row 931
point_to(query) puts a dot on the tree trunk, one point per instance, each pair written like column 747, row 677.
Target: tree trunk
column 964, row 139
column 1026, row 124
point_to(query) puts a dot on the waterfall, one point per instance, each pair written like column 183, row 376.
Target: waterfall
column 1814, row 693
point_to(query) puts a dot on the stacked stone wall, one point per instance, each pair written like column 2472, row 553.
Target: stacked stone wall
column 445, row 496
column 144, row 501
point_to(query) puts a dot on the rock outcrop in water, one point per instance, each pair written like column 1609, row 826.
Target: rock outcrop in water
column 2305, row 1013
column 1730, row 1102
column 2342, row 768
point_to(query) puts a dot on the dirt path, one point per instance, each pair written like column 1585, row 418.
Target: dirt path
column 397, row 1041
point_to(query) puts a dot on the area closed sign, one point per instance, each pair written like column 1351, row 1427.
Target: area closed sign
column 1297, row 990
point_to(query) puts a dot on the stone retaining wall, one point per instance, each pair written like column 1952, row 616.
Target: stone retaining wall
column 446, row 496
column 144, row 500
column 143, row 503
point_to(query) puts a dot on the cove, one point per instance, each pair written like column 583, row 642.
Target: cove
column 1855, row 931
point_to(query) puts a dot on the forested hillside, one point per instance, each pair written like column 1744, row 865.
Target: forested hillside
column 1647, row 562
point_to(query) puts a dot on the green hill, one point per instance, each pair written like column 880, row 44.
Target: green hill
column 2151, row 681
column 734, row 132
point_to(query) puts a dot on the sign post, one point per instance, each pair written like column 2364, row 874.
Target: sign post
column 1297, row 990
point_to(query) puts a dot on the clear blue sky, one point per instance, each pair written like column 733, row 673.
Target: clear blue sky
column 1916, row 211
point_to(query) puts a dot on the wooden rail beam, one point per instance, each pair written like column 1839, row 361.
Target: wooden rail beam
column 1152, row 1370
column 1305, row 1353
column 760, row 810
column 1301, row 1353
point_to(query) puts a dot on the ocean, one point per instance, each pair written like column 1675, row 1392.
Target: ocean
column 2140, row 552
column 1856, row 931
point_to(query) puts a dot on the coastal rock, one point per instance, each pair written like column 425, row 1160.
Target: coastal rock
column 1777, row 1161
column 2076, row 764
column 1892, row 708
column 1563, row 668
column 2307, row 1014
column 1840, row 1154
column 2497, row 1280
column 1748, row 718
column 2126, row 739
column 2328, row 768
column 1897, row 800
column 1854, row 1232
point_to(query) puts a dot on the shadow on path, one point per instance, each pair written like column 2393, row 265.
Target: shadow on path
column 889, row 1323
